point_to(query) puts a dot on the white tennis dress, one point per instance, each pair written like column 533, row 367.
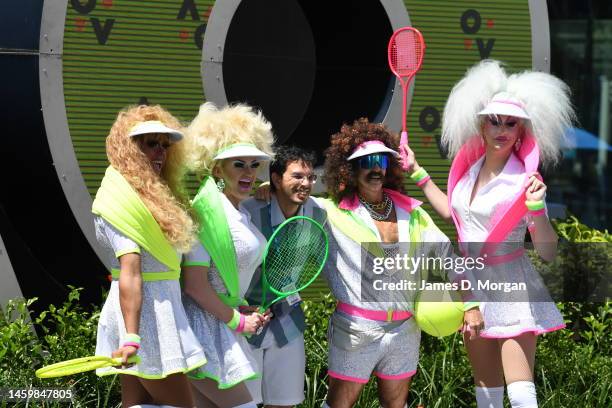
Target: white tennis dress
column 168, row 344
column 506, row 314
column 229, row 355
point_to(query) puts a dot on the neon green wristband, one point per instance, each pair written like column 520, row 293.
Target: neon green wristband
column 535, row 205
column 419, row 175
column 470, row 305
column 132, row 338
column 235, row 321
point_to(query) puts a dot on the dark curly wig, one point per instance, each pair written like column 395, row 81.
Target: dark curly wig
column 340, row 174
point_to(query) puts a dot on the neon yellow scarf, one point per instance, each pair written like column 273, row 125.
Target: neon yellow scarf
column 354, row 227
column 215, row 236
column 119, row 204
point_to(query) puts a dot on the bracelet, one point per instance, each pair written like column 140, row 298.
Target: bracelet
column 419, row 175
column 422, row 182
column 235, row 320
column 240, row 327
column 470, row 305
column 535, row 205
column 131, row 338
column 537, row 213
column 132, row 344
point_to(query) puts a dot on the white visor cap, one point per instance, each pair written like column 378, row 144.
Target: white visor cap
column 503, row 103
column 241, row 150
column 371, row 147
column 155, row 126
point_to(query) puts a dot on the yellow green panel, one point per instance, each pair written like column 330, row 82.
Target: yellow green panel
column 505, row 26
column 118, row 52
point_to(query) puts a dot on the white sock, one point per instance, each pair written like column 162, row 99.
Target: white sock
column 250, row 404
column 522, row 394
column 146, row 406
column 489, row 397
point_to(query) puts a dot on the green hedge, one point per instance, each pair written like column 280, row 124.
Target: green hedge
column 573, row 367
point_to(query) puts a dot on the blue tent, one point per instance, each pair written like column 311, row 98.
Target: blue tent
column 581, row 139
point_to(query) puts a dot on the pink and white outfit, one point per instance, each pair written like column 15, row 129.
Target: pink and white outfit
column 505, row 315
column 371, row 331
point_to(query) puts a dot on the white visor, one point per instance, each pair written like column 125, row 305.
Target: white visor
column 155, row 126
column 505, row 104
column 241, row 150
column 371, row 147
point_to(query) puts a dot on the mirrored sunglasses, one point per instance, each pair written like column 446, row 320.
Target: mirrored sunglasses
column 372, row 160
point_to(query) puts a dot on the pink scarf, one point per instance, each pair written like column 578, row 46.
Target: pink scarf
column 469, row 154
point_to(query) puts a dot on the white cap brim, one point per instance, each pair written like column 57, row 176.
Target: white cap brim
column 503, row 108
column 242, row 150
column 372, row 148
column 155, row 126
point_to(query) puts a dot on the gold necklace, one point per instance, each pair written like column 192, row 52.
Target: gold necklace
column 379, row 211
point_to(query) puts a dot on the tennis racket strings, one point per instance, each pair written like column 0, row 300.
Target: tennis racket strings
column 406, row 53
column 295, row 256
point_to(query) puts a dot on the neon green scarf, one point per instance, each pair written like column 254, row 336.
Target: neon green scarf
column 215, row 235
column 354, row 227
column 119, row 204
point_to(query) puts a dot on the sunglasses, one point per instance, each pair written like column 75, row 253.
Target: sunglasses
column 372, row 160
column 510, row 123
column 154, row 144
column 239, row 164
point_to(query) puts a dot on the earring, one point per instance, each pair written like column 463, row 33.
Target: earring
column 517, row 144
column 221, row 184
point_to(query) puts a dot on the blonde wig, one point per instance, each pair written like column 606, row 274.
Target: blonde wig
column 125, row 156
column 545, row 98
column 214, row 129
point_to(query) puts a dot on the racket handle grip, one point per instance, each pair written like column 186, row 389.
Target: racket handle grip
column 117, row 361
column 403, row 141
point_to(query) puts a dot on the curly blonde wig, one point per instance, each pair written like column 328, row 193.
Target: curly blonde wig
column 158, row 195
column 215, row 128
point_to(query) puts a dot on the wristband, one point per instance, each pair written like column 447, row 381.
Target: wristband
column 419, row 175
column 422, row 182
column 131, row 338
column 537, row 213
column 131, row 343
column 235, row 320
column 240, row 327
column 470, row 305
column 535, row 205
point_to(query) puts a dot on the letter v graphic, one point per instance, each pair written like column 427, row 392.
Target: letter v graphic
column 102, row 33
column 485, row 51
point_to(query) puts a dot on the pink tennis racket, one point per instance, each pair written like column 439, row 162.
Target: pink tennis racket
column 405, row 52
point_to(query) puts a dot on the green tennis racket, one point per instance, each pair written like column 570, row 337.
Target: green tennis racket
column 80, row 365
column 295, row 255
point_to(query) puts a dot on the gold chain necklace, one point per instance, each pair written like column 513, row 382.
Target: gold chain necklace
column 380, row 211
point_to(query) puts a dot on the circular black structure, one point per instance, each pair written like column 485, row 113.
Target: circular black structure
column 44, row 244
column 309, row 56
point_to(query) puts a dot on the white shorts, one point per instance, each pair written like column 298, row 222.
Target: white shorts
column 282, row 372
column 361, row 347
